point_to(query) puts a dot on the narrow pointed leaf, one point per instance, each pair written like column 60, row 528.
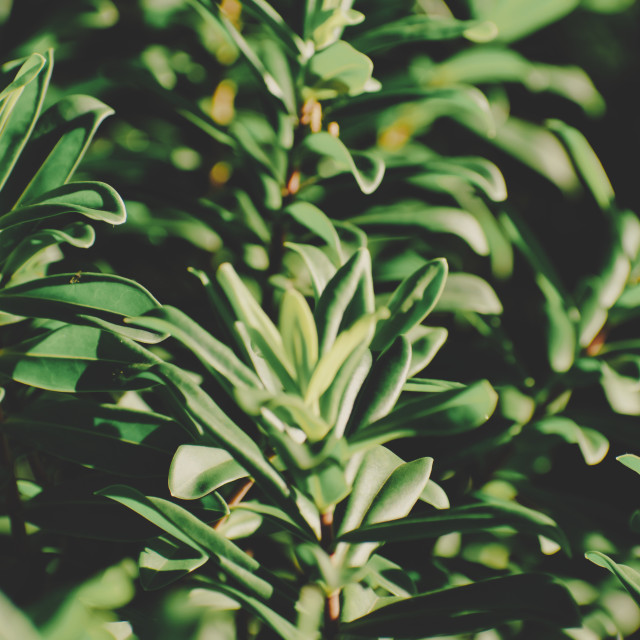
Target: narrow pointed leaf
column 106, row 437
column 486, row 516
column 383, row 385
column 415, row 216
column 318, row 223
column 411, row 302
column 24, row 97
column 218, row 357
column 298, row 330
column 336, row 297
column 472, row 608
column 443, row 413
column 586, row 162
column 63, row 133
column 629, row 577
column 165, row 560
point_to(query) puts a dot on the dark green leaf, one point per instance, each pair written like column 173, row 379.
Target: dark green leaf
column 22, row 101
column 82, row 297
column 489, row 515
column 106, row 437
column 383, row 385
column 444, row 413
column 77, row 358
column 472, row 608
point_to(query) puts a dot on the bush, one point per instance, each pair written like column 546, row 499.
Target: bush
column 285, row 445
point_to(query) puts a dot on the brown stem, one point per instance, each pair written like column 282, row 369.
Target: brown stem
column 331, row 616
column 332, row 603
column 236, row 499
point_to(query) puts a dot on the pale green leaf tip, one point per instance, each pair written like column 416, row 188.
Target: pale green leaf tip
column 482, row 32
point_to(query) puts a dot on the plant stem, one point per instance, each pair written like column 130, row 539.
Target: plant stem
column 332, row 602
column 237, row 498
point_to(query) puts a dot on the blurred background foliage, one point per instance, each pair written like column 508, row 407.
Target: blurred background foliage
column 182, row 94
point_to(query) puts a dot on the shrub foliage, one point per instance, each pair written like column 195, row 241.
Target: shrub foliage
column 378, row 394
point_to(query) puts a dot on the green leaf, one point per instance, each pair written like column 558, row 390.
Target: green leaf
column 94, row 200
column 63, row 134
column 165, row 560
column 467, row 292
column 337, row 70
column 366, row 168
column 196, row 534
column 487, row 516
column 411, row 302
column 472, row 608
column 359, row 334
column 278, row 623
column 317, row 222
column 373, row 470
column 77, row 234
column 435, row 495
column 622, row 391
column 383, row 385
column 326, row 25
column 426, row 342
column 337, row 402
column 82, row 297
column 215, row 355
column 198, row 406
column 278, row 516
column 248, row 310
column 319, row 266
column 22, row 102
column 518, row 18
column 629, row 577
column 77, row 358
column 71, row 509
column 197, row 471
column 630, row 460
column 16, row 625
column 537, row 148
column 266, row 14
column 415, row 214
column 336, row 297
column 415, row 28
column 478, row 172
column 587, row 163
column 466, row 104
column 278, row 97
column 400, row 492
column 300, row 338
column 106, row 437
column 493, row 65
column 443, row 413
column 593, row 445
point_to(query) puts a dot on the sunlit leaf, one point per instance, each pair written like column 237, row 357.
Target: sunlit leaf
column 629, row 577
column 197, row 471
column 366, row 168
